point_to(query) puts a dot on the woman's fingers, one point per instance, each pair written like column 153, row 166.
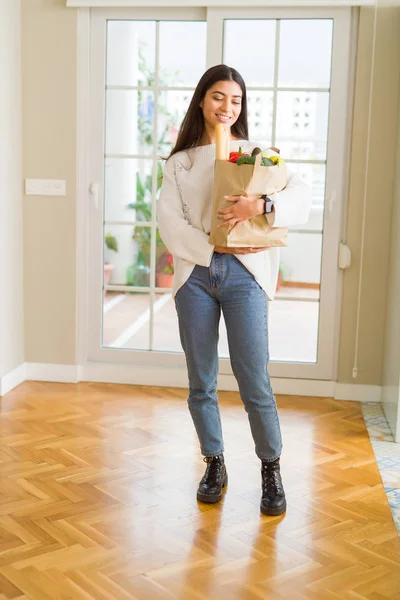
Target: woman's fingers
column 224, row 213
column 232, row 221
column 226, row 216
column 238, row 221
column 233, row 198
column 228, row 210
column 249, row 250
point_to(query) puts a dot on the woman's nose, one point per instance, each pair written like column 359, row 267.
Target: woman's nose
column 226, row 106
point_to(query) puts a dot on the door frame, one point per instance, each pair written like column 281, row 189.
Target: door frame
column 343, row 95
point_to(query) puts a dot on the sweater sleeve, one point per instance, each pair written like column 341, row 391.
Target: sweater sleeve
column 182, row 239
column 292, row 205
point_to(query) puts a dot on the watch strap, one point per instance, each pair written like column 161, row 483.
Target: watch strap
column 268, row 204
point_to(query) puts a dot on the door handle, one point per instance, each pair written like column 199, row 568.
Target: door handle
column 94, row 191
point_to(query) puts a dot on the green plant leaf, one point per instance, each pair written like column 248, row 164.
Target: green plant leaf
column 140, row 192
column 160, row 175
column 143, row 210
column 111, row 242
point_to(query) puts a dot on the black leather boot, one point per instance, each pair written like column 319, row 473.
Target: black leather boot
column 273, row 501
column 214, row 479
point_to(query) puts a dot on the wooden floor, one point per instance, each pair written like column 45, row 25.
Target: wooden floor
column 98, row 501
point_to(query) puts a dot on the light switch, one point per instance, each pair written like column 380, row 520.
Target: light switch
column 45, row 187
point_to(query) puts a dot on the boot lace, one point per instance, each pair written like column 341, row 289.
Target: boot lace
column 214, row 469
column 271, row 479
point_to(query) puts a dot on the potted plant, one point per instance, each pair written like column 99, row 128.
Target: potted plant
column 138, row 273
column 112, row 244
column 142, row 235
column 165, row 271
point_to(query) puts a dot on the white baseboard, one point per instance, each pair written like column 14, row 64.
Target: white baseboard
column 357, row 392
column 167, row 377
column 52, row 372
column 11, row 380
column 134, row 375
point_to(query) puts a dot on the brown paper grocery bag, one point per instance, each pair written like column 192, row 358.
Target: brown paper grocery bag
column 233, row 180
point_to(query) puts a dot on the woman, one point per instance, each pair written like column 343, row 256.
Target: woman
column 237, row 280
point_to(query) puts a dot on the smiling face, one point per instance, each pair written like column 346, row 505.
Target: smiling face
column 222, row 103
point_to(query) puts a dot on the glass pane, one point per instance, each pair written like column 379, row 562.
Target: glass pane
column 259, row 111
column 164, row 265
column 293, row 330
column 172, row 106
column 305, row 50
column 314, row 175
column 127, row 251
column 249, row 47
column 126, row 320
column 293, row 324
column 302, row 124
column 130, row 52
column 128, row 189
column 129, row 121
column 300, row 261
column 223, row 347
column 166, row 329
column 182, row 52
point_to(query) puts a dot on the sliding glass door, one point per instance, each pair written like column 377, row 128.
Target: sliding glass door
column 294, row 63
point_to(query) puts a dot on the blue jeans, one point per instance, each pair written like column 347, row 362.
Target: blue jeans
column 227, row 284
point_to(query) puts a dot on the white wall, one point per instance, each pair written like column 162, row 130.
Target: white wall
column 49, row 108
column 11, row 283
column 391, row 354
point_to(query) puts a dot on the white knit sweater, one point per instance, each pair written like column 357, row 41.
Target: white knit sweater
column 185, row 208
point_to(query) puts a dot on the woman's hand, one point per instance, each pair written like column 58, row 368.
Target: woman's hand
column 243, row 208
column 248, row 250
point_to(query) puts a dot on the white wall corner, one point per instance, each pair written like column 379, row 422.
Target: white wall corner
column 390, row 400
column 11, row 380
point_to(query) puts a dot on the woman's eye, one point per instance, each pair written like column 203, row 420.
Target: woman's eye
column 220, row 100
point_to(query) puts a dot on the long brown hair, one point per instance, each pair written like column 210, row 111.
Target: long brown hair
column 192, row 126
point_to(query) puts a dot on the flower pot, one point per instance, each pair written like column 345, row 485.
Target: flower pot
column 164, row 280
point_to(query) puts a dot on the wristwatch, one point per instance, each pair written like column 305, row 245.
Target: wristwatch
column 269, row 203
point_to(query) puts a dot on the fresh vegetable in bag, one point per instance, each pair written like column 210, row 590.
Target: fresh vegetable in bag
column 264, row 172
